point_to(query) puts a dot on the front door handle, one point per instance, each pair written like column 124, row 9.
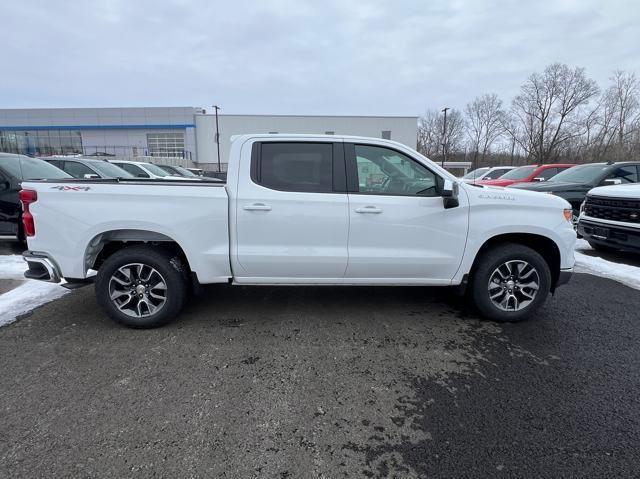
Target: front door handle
column 369, row 209
column 257, row 207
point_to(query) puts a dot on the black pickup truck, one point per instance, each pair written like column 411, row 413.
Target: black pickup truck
column 13, row 170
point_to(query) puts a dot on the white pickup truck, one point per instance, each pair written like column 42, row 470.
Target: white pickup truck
column 299, row 210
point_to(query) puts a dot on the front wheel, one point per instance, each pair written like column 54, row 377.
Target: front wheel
column 141, row 286
column 510, row 282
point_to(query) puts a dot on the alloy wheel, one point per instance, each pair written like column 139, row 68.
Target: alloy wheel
column 138, row 290
column 513, row 285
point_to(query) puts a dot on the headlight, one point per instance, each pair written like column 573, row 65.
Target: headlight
column 568, row 215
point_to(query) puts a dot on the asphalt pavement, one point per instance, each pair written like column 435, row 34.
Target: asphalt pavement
column 326, row 382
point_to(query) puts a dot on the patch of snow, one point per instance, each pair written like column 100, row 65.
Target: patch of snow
column 27, row 297
column 623, row 273
column 12, row 266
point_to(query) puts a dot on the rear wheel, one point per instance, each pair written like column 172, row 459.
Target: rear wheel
column 141, row 286
column 510, row 282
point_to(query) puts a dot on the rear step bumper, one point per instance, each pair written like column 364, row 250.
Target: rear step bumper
column 41, row 267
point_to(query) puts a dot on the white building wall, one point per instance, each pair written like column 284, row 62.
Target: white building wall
column 403, row 129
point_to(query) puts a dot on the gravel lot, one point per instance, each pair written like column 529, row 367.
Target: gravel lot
column 325, row 382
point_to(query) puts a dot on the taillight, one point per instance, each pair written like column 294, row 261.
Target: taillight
column 26, row 198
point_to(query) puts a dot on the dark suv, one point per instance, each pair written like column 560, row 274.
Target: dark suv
column 574, row 183
column 13, row 170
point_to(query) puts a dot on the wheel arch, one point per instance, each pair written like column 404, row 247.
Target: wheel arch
column 106, row 243
column 545, row 246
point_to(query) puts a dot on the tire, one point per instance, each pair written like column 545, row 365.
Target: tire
column 602, row 248
column 134, row 277
column 503, row 263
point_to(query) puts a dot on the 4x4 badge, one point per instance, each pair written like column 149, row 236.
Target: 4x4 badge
column 71, row 188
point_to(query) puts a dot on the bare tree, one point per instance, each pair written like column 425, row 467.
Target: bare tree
column 547, row 109
column 430, row 133
column 625, row 93
column 485, row 124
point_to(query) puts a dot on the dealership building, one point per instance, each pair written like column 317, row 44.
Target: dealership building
column 180, row 135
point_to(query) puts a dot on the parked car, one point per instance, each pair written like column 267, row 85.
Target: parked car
column 297, row 210
column 220, row 175
column 13, row 170
column 610, row 218
column 178, row 171
column 574, row 183
column 142, row 169
column 486, row 173
column 88, row 168
column 527, row 174
column 102, row 154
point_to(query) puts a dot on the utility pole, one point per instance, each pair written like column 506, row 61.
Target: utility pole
column 444, row 137
column 216, row 108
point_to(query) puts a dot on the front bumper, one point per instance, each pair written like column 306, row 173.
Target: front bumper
column 606, row 234
column 41, row 267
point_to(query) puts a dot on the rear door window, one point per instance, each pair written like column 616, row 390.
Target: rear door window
column 291, row 166
column 133, row 169
column 497, row 173
column 77, row 170
column 628, row 174
column 547, row 173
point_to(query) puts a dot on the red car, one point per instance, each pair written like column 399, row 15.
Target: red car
column 527, row 174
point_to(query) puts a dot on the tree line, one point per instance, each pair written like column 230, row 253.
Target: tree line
column 559, row 115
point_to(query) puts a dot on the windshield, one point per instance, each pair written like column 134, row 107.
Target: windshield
column 156, row 170
column 519, row 173
column 580, row 173
column 33, row 169
column 110, row 170
column 475, row 173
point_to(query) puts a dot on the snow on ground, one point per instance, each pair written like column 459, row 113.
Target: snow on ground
column 623, row 273
column 12, row 266
column 28, row 295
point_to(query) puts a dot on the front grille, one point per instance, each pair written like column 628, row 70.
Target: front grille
column 614, row 209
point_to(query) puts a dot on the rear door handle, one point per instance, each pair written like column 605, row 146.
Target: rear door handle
column 369, row 209
column 257, row 207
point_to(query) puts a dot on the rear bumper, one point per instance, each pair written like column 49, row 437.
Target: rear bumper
column 41, row 267
column 606, row 234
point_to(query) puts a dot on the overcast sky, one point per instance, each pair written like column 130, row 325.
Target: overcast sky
column 390, row 57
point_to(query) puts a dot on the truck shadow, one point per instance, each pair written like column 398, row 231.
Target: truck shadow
column 328, row 301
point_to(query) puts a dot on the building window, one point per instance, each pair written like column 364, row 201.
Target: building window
column 386, row 134
column 166, row 144
column 41, row 142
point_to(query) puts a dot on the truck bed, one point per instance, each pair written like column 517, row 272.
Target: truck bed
column 73, row 213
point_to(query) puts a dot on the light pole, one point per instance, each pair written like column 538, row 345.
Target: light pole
column 216, row 108
column 444, row 137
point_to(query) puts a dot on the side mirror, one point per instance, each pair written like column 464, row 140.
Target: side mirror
column 612, row 181
column 90, row 176
column 537, row 178
column 450, row 194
